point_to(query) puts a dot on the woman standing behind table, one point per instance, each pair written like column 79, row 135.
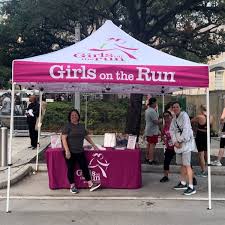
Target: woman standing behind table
column 73, row 136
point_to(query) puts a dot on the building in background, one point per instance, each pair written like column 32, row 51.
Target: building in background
column 217, row 73
column 216, row 78
column 196, row 97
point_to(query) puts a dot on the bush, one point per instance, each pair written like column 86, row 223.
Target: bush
column 56, row 115
column 102, row 116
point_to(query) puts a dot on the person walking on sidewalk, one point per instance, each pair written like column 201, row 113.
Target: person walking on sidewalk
column 32, row 114
column 6, row 104
column 73, row 136
column 169, row 151
column 151, row 129
column 183, row 140
column 222, row 141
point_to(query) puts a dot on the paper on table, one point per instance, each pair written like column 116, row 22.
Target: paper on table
column 30, row 112
column 131, row 141
column 56, row 141
column 109, row 140
column 119, row 148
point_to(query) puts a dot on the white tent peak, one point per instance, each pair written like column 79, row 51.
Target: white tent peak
column 111, row 45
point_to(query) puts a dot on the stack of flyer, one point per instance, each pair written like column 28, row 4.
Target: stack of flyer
column 131, row 141
column 109, row 140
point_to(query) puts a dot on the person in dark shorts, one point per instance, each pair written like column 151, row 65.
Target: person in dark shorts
column 201, row 139
column 73, row 136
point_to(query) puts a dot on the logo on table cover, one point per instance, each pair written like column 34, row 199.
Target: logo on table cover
column 113, row 49
column 99, row 164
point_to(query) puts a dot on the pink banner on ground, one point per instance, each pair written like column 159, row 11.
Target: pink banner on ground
column 181, row 76
column 112, row 168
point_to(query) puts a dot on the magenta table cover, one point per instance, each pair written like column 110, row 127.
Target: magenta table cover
column 113, row 168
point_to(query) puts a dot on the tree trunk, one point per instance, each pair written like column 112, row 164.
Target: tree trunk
column 133, row 122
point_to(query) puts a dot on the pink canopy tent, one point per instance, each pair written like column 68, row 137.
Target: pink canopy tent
column 111, row 60
column 108, row 61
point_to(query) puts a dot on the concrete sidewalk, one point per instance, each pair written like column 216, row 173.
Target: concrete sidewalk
column 22, row 159
column 35, row 186
column 32, row 202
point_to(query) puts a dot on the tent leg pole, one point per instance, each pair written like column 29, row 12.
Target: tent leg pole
column 163, row 109
column 10, row 146
column 39, row 129
column 208, row 152
column 8, row 189
column 86, row 105
column 163, row 103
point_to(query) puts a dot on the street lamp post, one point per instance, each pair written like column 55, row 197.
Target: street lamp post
column 77, row 94
column 86, row 105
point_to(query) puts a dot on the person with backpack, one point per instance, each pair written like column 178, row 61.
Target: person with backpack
column 184, row 143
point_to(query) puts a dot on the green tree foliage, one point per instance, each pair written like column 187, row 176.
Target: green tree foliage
column 56, row 115
column 191, row 29
column 5, row 73
column 186, row 28
column 102, row 116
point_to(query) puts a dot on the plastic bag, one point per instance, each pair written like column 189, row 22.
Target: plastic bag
column 56, row 141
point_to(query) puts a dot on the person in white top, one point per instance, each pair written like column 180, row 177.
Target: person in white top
column 182, row 138
column 6, row 104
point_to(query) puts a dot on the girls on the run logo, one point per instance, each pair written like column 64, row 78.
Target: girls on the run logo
column 114, row 49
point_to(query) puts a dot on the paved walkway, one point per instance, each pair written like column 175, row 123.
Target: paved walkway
column 33, row 190
column 21, row 157
column 23, row 160
column 36, row 186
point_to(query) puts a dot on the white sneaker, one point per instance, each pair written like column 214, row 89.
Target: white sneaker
column 216, row 163
column 95, row 186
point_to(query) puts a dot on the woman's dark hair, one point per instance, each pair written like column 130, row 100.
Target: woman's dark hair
column 151, row 101
column 176, row 102
column 73, row 110
column 168, row 105
column 167, row 112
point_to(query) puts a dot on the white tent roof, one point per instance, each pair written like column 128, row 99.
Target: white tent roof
column 109, row 60
column 110, row 36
